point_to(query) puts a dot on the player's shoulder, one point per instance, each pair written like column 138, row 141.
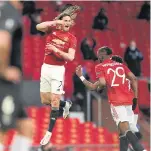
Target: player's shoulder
column 123, row 65
column 71, row 35
column 98, row 66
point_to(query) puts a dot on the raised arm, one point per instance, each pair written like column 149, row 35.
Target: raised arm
column 89, row 85
column 46, row 26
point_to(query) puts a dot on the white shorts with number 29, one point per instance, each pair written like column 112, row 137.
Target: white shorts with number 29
column 52, row 79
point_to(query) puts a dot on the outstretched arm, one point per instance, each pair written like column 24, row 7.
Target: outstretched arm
column 89, row 85
column 46, row 26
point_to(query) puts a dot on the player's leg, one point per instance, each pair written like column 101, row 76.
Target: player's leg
column 45, row 94
column 55, row 103
column 45, row 86
column 122, row 115
column 131, row 137
column 123, row 142
column 24, row 126
column 45, row 99
column 54, row 88
column 115, row 114
column 124, row 127
column 133, row 127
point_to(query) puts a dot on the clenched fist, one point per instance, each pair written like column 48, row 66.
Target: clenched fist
column 79, row 71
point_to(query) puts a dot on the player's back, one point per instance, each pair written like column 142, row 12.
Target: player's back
column 118, row 86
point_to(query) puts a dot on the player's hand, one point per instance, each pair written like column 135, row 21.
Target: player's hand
column 59, row 22
column 79, row 71
column 134, row 103
column 51, row 48
column 12, row 74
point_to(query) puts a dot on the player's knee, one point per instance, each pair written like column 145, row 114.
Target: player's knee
column 45, row 98
column 123, row 127
column 25, row 127
column 55, row 100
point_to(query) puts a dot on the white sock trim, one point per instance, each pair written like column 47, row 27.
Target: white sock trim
column 48, row 133
column 122, row 136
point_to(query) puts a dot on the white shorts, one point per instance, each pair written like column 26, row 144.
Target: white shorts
column 52, row 79
column 122, row 114
column 135, row 119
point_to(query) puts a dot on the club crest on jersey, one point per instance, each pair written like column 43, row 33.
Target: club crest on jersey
column 58, row 41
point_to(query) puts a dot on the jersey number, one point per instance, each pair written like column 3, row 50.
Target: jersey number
column 60, row 84
column 116, row 73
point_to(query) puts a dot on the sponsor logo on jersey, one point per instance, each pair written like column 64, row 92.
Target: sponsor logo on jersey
column 58, row 41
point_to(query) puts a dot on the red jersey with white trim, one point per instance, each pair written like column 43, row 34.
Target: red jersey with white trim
column 118, row 86
column 61, row 40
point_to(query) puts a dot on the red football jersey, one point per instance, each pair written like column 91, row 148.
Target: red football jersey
column 118, row 86
column 61, row 40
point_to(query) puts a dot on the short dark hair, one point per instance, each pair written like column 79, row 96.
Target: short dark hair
column 105, row 48
column 63, row 15
column 117, row 59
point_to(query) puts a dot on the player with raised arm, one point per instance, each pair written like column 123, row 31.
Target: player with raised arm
column 60, row 48
column 115, row 76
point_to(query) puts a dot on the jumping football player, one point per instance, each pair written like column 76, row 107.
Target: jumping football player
column 60, row 48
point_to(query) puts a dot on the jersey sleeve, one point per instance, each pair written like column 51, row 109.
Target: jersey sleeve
column 127, row 70
column 73, row 43
column 99, row 72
